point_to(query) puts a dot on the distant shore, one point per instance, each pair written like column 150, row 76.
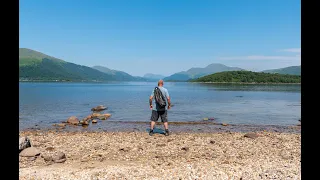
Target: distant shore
column 255, row 83
column 244, row 83
column 136, row 155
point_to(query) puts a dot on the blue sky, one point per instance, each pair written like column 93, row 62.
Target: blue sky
column 136, row 36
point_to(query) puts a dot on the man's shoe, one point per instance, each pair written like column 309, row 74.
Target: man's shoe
column 166, row 133
column 151, row 132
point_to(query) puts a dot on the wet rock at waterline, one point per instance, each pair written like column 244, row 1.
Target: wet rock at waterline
column 95, row 115
column 101, row 116
column 83, row 122
column 73, row 120
column 61, row 125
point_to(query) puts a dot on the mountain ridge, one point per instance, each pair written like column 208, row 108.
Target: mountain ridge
column 196, row 72
column 152, row 76
column 34, row 65
column 292, row 70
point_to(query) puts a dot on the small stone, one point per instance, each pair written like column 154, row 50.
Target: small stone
column 47, row 158
column 224, row 124
column 50, row 148
column 185, row 148
column 61, row 125
column 94, row 121
column 59, row 157
column 126, row 149
column 60, row 160
column 161, row 145
column 107, row 115
column 30, row 152
column 84, row 159
column 251, row 135
column 32, row 158
column 102, row 118
column 95, row 115
column 212, row 142
column 85, row 123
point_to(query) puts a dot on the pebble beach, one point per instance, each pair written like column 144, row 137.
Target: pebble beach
column 181, row 155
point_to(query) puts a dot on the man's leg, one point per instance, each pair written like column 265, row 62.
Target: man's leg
column 152, row 125
column 165, row 124
column 164, row 119
column 154, row 118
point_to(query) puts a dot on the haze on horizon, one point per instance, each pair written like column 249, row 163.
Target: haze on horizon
column 137, row 36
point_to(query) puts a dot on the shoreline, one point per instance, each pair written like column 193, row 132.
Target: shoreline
column 255, row 83
column 136, row 155
column 177, row 127
column 87, row 81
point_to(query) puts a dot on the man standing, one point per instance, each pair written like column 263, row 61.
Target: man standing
column 159, row 111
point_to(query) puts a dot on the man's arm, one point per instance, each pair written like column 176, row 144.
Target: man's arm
column 168, row 98
column 150, row 101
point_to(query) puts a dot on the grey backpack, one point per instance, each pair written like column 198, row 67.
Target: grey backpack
column 160, row 99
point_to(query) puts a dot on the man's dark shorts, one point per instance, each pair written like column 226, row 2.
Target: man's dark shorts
column 155, row 116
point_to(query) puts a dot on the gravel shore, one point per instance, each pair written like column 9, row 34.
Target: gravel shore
column 136, row 155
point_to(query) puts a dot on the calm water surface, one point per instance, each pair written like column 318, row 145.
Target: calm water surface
column 42, row 104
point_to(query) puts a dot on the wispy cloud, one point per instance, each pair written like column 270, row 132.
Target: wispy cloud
column 295, row 50
column 259, row 57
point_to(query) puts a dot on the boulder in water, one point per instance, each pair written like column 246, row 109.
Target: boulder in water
column 96, row 115
column 73, row 120
column 99, row 108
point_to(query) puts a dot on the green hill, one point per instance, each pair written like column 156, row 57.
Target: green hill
column 34, row 65
column 195, row 73
column 293, row 70
column 249, row 77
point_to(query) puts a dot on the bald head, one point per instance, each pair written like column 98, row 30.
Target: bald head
column 160, row 82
